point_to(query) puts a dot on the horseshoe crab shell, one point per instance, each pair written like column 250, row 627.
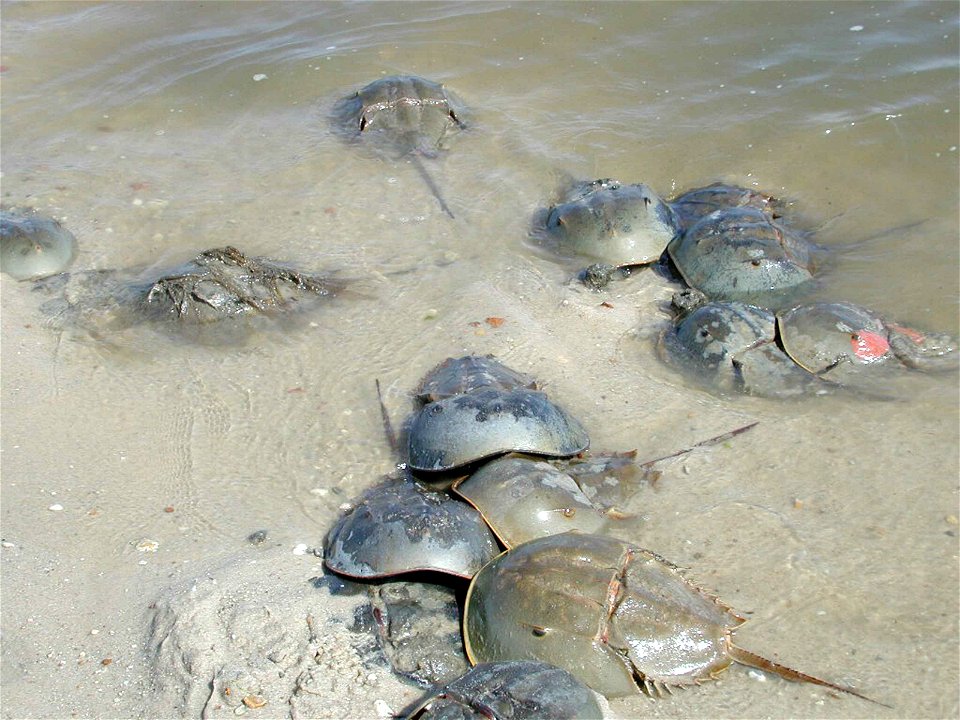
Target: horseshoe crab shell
column 522, row 690
column 741, row 254
column 693, row 205
column 223, row 282
column 401, row 526
column 400, row 114
column 214, row 299
column 458, row 376
column 611, row 223
column 839, row 339
column 523, row 498
column 842, row 341
column 712, row 334
column 462, row 429
column 33, row 246
column 619, row 618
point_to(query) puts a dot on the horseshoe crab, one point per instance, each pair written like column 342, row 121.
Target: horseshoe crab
column 462, row 429
column 842, row 340
column 472, row 408
column 223, row 282
column 693, row 205
column 458, row 376
column 619, row 618
column 402, row 116
column 33, row 246
column 612, row 223
column 217, row 284
column 733, row 345
column 742, row 254
column 522, row 690
column 401, row 527
column 522, row 498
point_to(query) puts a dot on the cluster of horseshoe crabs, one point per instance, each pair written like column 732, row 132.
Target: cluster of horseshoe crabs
column 743, row 264
column 813, row 347
column 615, row 617
column 496, row 489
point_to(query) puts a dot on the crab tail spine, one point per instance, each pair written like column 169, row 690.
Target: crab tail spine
column 387, row 425
column 418, row 164
column 745, row 657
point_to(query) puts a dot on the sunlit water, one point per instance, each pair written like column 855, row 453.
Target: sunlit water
column 156, row 130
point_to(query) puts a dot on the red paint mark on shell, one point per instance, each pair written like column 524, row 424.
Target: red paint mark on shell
column 869, row 346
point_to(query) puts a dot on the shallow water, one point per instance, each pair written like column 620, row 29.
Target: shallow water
column 156, row 130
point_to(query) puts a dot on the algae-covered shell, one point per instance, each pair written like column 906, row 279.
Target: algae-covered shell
column 614, row 615
column 612, row 223
column 690, row 206
column 457, row 376
column 520, row 690
column 462, row 429
column 223, row 282
column 741, row 254
column 402, row 526
column 522, row 498
column 33, row 246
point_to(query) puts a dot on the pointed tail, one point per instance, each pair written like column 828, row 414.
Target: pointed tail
column 418, row 164
column 387, row 425
column 745, row 657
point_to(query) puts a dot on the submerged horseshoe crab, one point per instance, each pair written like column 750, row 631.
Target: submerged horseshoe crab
column 733, row 345
column 610, row 222
column 33, row 246
column 402, row 116
column 691, row 206
column 521, row 690
column 841, row 341
column 217, row 284
column 742, row 254
column 619, row 618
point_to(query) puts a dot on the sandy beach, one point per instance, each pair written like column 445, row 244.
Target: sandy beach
column 136, row 465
